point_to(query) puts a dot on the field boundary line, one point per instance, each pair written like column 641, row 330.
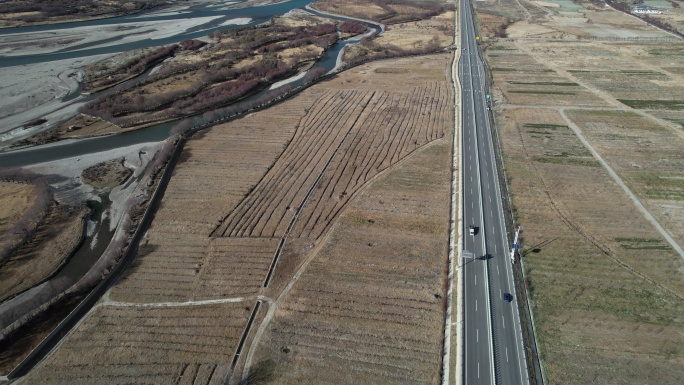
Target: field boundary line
column 187, row 303
column 622, row 184
column 241, row 344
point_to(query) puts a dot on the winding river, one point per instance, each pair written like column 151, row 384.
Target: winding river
column 159, row 132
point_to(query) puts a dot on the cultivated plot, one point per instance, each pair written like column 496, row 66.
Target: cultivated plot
column 251, row 203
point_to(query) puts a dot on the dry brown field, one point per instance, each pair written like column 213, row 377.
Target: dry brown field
column 386, row 12
column 58, row 229
column 417, row 34
column 606, row 286
column 250, row 204
column 369, row 306
column 154, row 345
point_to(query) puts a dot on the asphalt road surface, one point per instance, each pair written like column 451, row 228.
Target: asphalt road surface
column 493, row 344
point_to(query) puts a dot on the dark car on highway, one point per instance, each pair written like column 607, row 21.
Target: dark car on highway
column 507, row 297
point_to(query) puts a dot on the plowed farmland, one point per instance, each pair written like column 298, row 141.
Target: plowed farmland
column 253, row 205
column 346, row 138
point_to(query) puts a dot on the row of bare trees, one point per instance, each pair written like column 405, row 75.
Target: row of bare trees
column 24, row 228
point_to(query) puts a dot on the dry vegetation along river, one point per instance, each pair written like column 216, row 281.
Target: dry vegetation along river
column 158, row 132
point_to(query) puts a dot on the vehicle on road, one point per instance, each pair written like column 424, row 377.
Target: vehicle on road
column 507, row 297
column 472, row 230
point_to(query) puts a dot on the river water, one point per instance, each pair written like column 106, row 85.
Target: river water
column 67, row 149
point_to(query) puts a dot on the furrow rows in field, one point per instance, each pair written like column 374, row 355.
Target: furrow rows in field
column 394, row 127
column 268, row 209
column 212, row 268
column 232, row 160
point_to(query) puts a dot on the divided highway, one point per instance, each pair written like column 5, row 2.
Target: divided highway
column 493, row 344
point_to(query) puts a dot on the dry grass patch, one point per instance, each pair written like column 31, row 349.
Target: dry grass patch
column 418, row 34
column 386, row 12
column 15, row 199
column 106, row 175
column 80, row 126
column 411, row 28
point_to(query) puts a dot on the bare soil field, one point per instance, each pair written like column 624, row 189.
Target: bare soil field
column 272, row 184
column 523, row 79
column 584, row 21
column 606, row 286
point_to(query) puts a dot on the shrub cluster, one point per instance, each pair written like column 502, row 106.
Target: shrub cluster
column 352, row 27
column 192, row 44
column 219, row 82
